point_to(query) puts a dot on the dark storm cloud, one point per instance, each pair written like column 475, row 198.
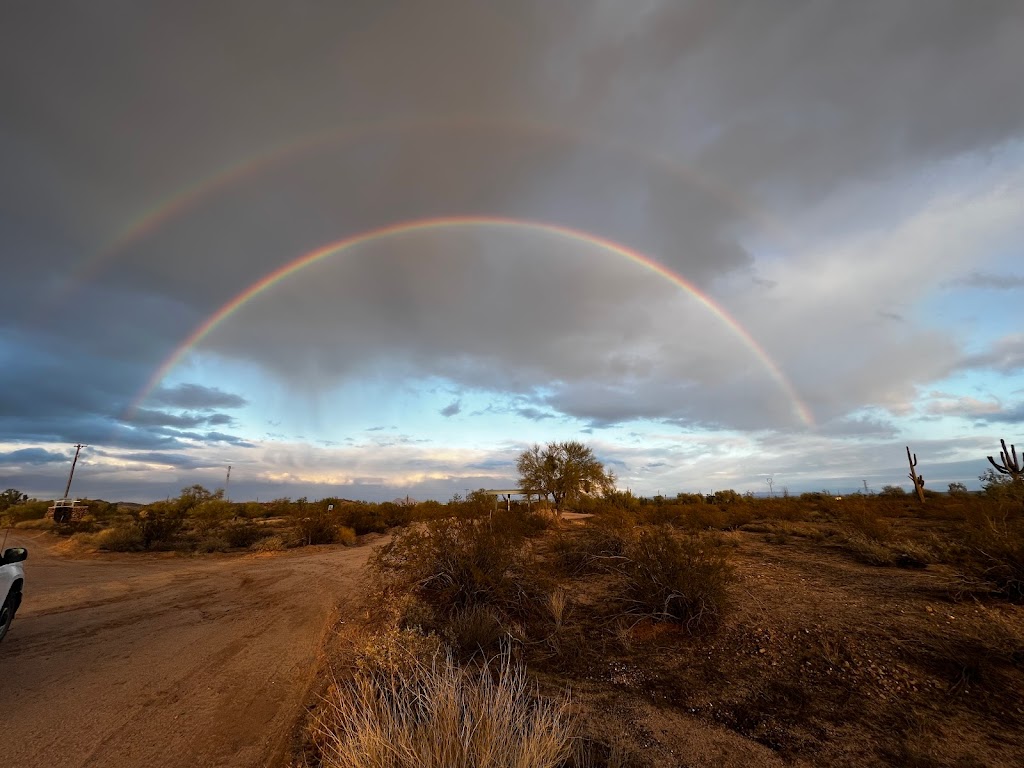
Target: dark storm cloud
column 194, row 396
column 678, row 131
column 32, row 457
column 178, row 460
column 152, row 418
column 1011, row 415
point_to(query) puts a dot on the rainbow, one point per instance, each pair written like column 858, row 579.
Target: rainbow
column 423, row 225
column 188, row 197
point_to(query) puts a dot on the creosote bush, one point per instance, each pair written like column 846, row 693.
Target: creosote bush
column 455, row 563
column 682, row 579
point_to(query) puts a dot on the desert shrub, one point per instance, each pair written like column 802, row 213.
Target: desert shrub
column 26, row 510
column 474, row 629
column 36, row 524
column 396, row 651
column 456, row 562
column 709, row 517
column 868, row 550
column 439, row 715
column 368, row 518
column 314, row 523
column 521, row 522
column 995, row 555
column 682, row 579
column 597, row 544
column 209, row 544
column 159, row 525
column 120, row 538
column 344, row 535
column 275, row 543
column 864, row 520
column 664, row 514
column 243, row 534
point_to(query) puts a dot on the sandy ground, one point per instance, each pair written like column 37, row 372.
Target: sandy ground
column 149, row 660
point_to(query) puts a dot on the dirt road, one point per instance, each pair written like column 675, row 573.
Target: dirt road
column 142, row 660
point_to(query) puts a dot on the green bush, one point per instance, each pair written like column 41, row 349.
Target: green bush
column 120, row 538
column 243, row 534
column 677, row 578
column 159, row 525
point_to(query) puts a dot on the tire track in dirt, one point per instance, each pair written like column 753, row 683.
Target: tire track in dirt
column 141, row 660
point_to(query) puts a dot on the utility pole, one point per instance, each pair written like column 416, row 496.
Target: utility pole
column 78, row 449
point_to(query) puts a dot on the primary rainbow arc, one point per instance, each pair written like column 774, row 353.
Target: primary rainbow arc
column 422, row 225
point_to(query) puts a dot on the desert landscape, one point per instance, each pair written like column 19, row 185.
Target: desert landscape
column 691, row 631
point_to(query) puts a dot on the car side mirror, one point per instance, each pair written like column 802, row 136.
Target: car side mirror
column 14, row 555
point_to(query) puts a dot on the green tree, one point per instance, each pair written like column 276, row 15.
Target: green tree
column 10, row 497
column 564, row 471
column 195, row 495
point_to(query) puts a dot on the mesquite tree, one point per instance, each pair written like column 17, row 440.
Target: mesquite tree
column 563, row 471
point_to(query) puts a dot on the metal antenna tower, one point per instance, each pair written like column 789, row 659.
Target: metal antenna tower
column 227, row 482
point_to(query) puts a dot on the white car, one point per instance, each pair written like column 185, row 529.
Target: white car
column 12, row 579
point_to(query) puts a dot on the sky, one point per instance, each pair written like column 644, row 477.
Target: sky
column 377, row 249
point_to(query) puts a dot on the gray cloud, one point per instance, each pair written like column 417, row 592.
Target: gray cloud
column 454, row 407
column 194, row 396
column 1006, row 355
column 1011, row 415
column 991, row 281
column 32, row 457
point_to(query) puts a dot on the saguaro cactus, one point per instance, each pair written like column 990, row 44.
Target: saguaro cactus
column 915, row 478
column 1011, row 464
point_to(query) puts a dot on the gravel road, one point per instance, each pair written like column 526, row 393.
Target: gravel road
column 151, row 660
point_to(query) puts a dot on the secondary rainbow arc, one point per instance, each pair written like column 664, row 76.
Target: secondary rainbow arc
column 421, row 225
column 190, row 195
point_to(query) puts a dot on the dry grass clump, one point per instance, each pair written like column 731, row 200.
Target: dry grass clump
column 899, row 553
column 995, row 557
column 682, row 579
column 440, row 715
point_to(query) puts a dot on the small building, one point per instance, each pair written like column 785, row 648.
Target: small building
column 67, row 511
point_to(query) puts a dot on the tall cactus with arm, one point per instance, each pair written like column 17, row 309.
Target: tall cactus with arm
column 915, row 478
column 1011, row 464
